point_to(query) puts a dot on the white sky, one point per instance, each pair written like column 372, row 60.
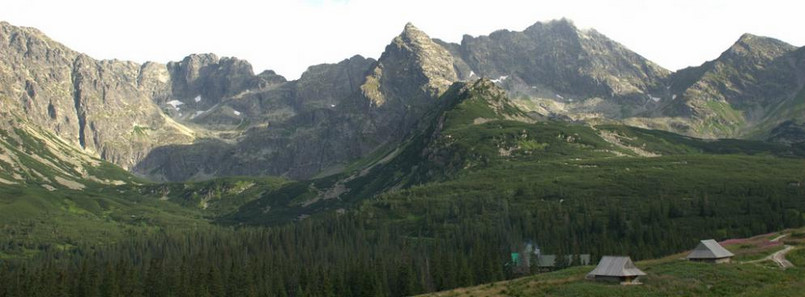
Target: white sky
column 288, row 36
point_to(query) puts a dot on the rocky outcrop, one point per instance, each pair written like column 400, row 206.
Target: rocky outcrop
column 413, row 68
column 296, row 129
column 747, row 91
column 36, row 80
column 202, row 81
column 411, row 73
column 557, row 61
column 334, row 114
column 103, row 107
column 140, row 116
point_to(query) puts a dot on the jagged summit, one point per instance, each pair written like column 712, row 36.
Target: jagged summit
column 103, row 108
column 556, row 24
column 556, row 60
column 415, row 40
column 122, row 111
column 409, row 27
column 413, row 34
column 412, row 58
column 734, row 94
column 764, row 47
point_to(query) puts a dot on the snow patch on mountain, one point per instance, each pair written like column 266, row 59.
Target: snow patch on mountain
column 500, row 79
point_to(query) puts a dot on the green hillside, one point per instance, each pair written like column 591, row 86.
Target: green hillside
column 475, row 181
column 54, row 196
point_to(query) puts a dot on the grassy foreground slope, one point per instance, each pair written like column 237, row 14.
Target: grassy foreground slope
column 673, row 276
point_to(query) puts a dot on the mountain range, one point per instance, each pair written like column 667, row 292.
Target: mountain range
column 205, row 116
column 421, row 171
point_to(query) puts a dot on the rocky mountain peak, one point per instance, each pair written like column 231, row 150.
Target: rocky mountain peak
column 556, row 61
column 561, row 25
column 731, row 95
column 435, row 61
column 412, row 36
column 410, row 29
column 9, row 28
column 766, row 48
column 271, row 77
column 204, row 79
column 411, row 57
column 200, row 59
column 134, row 115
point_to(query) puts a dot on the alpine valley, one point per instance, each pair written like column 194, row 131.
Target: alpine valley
column 416, row 172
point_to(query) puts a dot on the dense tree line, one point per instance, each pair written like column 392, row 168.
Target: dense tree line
column 339, row 256
column 398, row 245
column 424, row 238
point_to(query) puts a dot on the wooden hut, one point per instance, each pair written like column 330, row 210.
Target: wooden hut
column 710, row 251
column 616, row 269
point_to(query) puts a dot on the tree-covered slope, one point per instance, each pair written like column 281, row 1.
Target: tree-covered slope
column 477, row 132
column 473, row 182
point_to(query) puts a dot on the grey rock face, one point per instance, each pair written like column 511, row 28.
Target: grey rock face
column 206, row 116
column 211, row 79
column 103, row 107
column 747, row 91
column 333, row 114
column 295, row 129
column 411, row 73
column 36, row 80
column 557, row 60
column 413, row 59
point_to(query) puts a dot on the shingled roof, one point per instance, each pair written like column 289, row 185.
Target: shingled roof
column 709, row 249
column 616, row 266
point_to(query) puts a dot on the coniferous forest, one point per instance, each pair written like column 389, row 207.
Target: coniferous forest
column 443, row 162
column 444, row 209
column 412, row 225
column 373, row 251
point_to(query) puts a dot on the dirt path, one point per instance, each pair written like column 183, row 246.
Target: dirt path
column 776, row 239
column 779, row 257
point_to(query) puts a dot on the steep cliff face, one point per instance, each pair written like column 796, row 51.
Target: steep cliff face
column 555, row 62
column 34, row 157
column 102, row 107
column 206, row 116
column 296, row 129
column 411, row 73
column 334, row 114
column 201, row 81
column 36, row 80
column 422, row 67
column 251, row 124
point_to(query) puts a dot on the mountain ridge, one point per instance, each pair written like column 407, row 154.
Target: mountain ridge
column 213, row 114
column 734, row 94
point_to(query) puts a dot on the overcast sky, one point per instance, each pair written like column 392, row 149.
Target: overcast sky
column 290, row 35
